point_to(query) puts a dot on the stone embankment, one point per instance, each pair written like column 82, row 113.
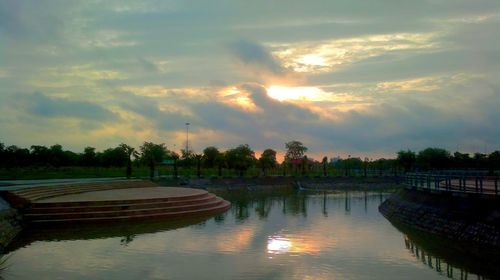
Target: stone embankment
column 470, row 218
column 10, row 224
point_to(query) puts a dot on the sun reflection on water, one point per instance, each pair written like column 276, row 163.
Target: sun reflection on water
column 278, row 245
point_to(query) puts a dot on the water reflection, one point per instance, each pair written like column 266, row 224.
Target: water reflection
column 438, row 264
column 452, row 259
column 282, row 235
column 126, row 231
column 278, row 245
column 292, row 203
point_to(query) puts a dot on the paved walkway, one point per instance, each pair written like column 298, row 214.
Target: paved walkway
column 126, row 194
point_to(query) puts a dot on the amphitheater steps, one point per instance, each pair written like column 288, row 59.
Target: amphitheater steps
column 37, row 193
column 116, row 202
column 222, row 207
column 69, row 207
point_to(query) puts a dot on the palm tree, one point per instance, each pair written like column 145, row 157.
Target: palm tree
column 130, row 151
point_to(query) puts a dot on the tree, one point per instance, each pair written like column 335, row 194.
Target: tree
column 480, row 161
column 240, row 158
column 365, row 166
column 295, row 150
column 462, row 161
column 175, row 157
column 267, row 160
column 325, row 165
column 88, row 158
column 198, row 158
column 493, row 162
column 151, row 154
column 113, row 157
column 210, row 155
column 56, row 155
column 187, row 158
column 294, row 153
column 433, row 158
column 129, row 151
column 407, row 159
column 39, row 155
column 220, row 162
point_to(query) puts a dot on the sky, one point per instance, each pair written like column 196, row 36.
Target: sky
column 360, row 78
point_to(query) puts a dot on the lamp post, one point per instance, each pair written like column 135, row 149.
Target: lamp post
column 187, row 138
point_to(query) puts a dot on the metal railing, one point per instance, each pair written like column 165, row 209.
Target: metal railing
column 462, row 182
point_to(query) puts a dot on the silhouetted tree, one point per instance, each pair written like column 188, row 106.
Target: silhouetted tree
column 151, row 154
column 267, row 160
column 294, row 153
column 89, row 158
column 462, row 161
column 187, row 158
column 210, row 155
column 407, row 159
column 198, row 158
column 129, row 151
column 116, row 157
column 493, row 162
column 175, row 157
column 480, row 161
column 39, row 155
column 240, row 158
column 324, row 162
column 433, row 158
column 220, row 162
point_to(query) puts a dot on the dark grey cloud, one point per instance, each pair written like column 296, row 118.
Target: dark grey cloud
column 33, row 21
column 45, row 106
column 256, row 56
column 147, row 65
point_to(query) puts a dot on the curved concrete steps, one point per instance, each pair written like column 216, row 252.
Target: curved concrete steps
column 125, row 204
column 37, row 193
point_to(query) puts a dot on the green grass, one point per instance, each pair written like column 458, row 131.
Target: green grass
column 34, row 173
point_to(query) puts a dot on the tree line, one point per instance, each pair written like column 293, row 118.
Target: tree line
column 441, row 159
column 240, row 159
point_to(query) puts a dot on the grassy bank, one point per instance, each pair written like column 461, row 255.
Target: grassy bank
column 47, row 172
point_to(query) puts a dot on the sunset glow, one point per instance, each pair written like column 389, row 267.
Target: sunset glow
column 282, row 93
column 323, row 74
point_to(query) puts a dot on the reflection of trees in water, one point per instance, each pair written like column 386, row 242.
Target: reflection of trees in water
column 438, row 264
column 220, row 218
column 264, row 206
column 127, row 239
column 291, row 203
column 295, row 203
column 347, row 202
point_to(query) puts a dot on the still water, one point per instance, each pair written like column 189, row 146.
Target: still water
column 263, row 236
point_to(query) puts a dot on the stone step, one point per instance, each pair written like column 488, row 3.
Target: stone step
column 47, row 192
column 133, row 183
column 124, row 212
column 48, row 208
column 65, row 204
column 223, row 206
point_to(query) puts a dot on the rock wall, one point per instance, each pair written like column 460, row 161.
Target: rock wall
column 469, row 218
column 10, row 226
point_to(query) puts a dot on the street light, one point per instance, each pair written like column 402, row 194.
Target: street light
column 187, row 137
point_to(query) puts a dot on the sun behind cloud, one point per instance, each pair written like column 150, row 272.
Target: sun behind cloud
column 284, row 93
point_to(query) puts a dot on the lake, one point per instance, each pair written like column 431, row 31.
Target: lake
column 263, row 236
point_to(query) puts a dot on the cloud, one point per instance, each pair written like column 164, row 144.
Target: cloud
column 45, row 106
column 343, row 77
column 255, row 55
column 264, row 67
column 328, row 55
column 30, row 20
